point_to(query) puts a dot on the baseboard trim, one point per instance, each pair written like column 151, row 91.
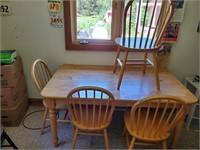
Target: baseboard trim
column 35, row 101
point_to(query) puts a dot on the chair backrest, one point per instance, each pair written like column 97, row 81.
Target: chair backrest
column 90, row 107
column 40, row 73
column 157, row 115
column 146, row 20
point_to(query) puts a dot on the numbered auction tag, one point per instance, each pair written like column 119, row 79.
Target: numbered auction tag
column 56, row 20
column 54, row 6
column 5, row 8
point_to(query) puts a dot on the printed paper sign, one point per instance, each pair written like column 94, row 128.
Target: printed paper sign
column 171, row 33
column 179, row 7
column 54, row 6
column 56, row 20
column 5, row 8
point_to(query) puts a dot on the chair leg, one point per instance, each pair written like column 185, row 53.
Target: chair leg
column 132, row 143
column 156, row 71
column 5, row 136
column 145, row 63
column 75, row 138
column 117, row 56
column 127, row 137
column 106, row 139
column 44, row 120
column 91, row 141
column 66, row 113
column 122, row 70
column 124, row 131
column 164, row 144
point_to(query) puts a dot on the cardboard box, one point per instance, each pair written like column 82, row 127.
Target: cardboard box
column 11, row 96
column 10, row 74
column 12, row 116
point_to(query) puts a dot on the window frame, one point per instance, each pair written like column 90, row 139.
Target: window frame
column 71, row 43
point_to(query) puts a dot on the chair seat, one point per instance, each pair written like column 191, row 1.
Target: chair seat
column 147, row 135
column 136, row 44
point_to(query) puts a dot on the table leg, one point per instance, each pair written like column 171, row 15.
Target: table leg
column 53, row 120
column 51, row 105
column 177, row 134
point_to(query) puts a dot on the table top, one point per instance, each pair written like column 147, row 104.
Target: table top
column 134, row 87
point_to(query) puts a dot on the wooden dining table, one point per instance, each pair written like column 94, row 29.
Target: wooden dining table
column 134, row 87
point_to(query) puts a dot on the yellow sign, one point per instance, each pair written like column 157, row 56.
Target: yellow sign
column 54, row 6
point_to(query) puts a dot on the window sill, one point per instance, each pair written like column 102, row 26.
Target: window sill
column 91, row 46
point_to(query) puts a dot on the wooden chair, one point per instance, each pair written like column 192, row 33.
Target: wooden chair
column 152, row 120
column 41, row 74
column 90, row 110
column 142, row 30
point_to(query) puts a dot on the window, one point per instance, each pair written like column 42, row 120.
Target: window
column 92, row 30
column 94, row 24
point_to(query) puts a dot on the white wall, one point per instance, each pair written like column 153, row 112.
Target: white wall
column 28, row 31
column 184, row 60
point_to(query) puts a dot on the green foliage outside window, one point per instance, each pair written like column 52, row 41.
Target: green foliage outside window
column 89, row 12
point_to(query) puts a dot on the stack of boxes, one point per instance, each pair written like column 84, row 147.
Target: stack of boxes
column 14, row 99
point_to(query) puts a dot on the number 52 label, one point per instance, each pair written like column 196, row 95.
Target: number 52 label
column 5, row 8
